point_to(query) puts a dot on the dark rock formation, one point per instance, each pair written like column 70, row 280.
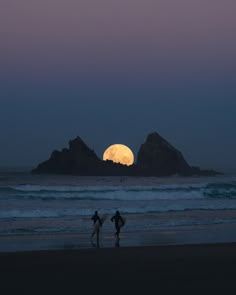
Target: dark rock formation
column 156, row 157
column 80, row 159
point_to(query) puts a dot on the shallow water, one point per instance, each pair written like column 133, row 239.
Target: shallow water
column 58, row 207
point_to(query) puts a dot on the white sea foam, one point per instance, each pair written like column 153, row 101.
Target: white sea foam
column 102, row 188
column 74, row 201
column 147, row 208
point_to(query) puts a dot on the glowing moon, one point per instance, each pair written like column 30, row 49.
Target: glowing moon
column 119, row 153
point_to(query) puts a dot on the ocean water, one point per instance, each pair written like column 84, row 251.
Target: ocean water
column 49, row 207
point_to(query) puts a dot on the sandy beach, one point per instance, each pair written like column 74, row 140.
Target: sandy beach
column 179, row 237
column 163, row 269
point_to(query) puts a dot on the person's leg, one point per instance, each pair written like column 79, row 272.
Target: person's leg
column 93, row 233
column 118, row 232
column 98, row 232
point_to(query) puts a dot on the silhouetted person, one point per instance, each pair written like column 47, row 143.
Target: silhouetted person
column 119, row 222
column 97, row 223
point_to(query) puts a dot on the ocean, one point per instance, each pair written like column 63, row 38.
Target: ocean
column 54, row 211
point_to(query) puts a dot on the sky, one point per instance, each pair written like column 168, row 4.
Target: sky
column 112, row 72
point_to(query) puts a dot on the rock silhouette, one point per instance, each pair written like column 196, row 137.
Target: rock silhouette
column 79, row 159
column 156, row 157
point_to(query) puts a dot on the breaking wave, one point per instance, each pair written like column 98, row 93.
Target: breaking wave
column 161, row 192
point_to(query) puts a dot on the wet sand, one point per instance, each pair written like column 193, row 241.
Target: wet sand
column 154, row 270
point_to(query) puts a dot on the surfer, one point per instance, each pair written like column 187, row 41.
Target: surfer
column 97, row 223
column 119, row 222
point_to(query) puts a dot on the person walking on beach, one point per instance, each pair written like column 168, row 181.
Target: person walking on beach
column 97, row 223
column 119, row 222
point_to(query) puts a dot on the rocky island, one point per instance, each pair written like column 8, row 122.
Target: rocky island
column 156, row 157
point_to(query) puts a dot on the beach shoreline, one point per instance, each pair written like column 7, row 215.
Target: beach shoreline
column 182, row 235
column 169, row 268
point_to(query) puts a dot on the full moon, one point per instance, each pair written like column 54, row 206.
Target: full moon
column 119, row 153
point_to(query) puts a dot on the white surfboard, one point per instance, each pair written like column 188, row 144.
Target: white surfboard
column 120, row 222
column 97, row 224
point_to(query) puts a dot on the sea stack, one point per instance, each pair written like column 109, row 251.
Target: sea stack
column 78, row 159
column 158, row 157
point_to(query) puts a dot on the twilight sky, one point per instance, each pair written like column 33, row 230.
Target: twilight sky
column 113, row 71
